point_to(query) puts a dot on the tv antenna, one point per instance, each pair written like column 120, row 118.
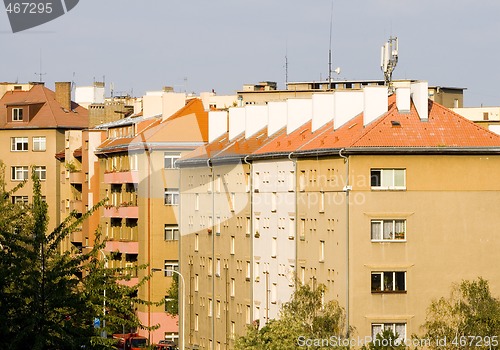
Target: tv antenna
column 389, row 59
column 330, row 50
column 286, row 67
column 40, row 74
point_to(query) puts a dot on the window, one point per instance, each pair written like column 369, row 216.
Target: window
column 171, row 232
column 273, row 202
column 218, row 308
column 302, row 229
column 248, row 271
column 256, row 271
column 388, row 179
column 197, row 201
column 388, row 230
column 196, row 242
column 170, row 265
column 196, row 322
column 210, row 307
column 19, row 173
column 17, row 114
column 170, row 159
column 388, row 282
column 256, row 181
column 399, row 329
column 133, row 161
column 233, row 330
column 171, row 196
column 39, row 144
column 22, row 200
column 196, row 282
column 248, row 315
column 321, row 251
column 210, row 266
column 218, row 182
column 232, row 245
column 217, row 267
column 41, row 172
column 274, row 293
column 18, row 144
column 233, row 287
column 274, row 247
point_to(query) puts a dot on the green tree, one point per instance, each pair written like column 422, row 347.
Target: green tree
column 468, row 318
column 303, row 320
column 49, row 299
column 172, row 304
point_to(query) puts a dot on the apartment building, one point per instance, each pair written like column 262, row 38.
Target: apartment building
column 35, row 123
column 138, row 173
column 384, row 199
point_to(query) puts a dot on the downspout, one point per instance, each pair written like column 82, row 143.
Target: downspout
column 296, row 239
column 346, row 189
column 148, row 153
column 182, row 324
column 250, row 180
column 213, row 253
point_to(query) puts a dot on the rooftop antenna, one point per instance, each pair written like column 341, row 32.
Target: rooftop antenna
column 330, row 51
column 286, row 66
column 40, row 74
column 389, row 60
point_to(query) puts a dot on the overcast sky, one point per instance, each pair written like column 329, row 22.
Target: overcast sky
column 143, row 45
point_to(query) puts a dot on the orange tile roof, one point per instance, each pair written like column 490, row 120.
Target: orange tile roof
column 443, row 129
column 190, row 125
column 50, row 114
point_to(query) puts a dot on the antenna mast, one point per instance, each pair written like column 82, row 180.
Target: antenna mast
column 40, row 74
column 330, row 51
column 286, row 67
column 389, row 60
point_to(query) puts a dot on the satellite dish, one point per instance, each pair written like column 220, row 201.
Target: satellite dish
column 337, row 70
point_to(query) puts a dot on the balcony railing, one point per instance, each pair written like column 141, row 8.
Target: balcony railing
column 76, row 205
column 76, row 177
column 122, row 177
column 130, row 212
column 122, row 247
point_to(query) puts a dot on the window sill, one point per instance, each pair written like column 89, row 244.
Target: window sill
column 388, row 240
column 388, row 188
column 390, row 292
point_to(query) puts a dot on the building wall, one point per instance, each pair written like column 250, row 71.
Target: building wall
column 273, row 214
column 216, row 245
column 55, row 141
column 447, row 211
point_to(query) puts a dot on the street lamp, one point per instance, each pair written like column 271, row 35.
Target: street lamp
column 105, row 258
column 183, row 299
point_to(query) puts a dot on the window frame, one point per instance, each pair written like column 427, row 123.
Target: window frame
column 16, row 116
column 170, row 265
column 19, row 141
column 169, row 232
column 386, row 325
column 383, row 174
column 382, row 223
column 172, row 193
column 41, row 172
column 382, row 282
column 172, row 159
column 40, row 140
column 15, row 171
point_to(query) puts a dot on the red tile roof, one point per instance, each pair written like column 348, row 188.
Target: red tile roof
column 50, row 113
column 443, row 129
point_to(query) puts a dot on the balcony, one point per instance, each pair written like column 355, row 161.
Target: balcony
column 76, row 177
column 76, row 237
column 123, row 247
column 121, row 177
column 76, row 205
column 131, row 212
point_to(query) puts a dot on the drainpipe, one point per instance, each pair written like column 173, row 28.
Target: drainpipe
column 182, row 325
column 346, row 189
column 213, row 253
column 296, row 239
column 250, row 179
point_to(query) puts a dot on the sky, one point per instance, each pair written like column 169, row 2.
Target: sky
column 200, row 45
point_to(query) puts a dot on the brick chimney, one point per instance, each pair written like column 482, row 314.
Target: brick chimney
column 63, row 94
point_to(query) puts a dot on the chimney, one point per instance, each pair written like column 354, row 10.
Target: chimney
column 237, row 121
column 347, row 105
column 277, row 116
column 322, row 109
column 375, row 103
column 420, row 96
column 217, row 124
column 63, row 94
column 256, row 118
column 403, row 99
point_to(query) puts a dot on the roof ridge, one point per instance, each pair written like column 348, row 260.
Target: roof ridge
column 48, row 102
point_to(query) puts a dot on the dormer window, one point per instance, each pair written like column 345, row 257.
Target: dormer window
column 17, row 114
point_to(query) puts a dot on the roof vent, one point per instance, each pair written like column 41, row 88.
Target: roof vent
column 395, row 123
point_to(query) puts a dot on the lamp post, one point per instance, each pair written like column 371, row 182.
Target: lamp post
column 105, row 258
column 183, row 300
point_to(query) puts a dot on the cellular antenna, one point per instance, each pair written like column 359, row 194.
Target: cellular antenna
column 389, row 60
